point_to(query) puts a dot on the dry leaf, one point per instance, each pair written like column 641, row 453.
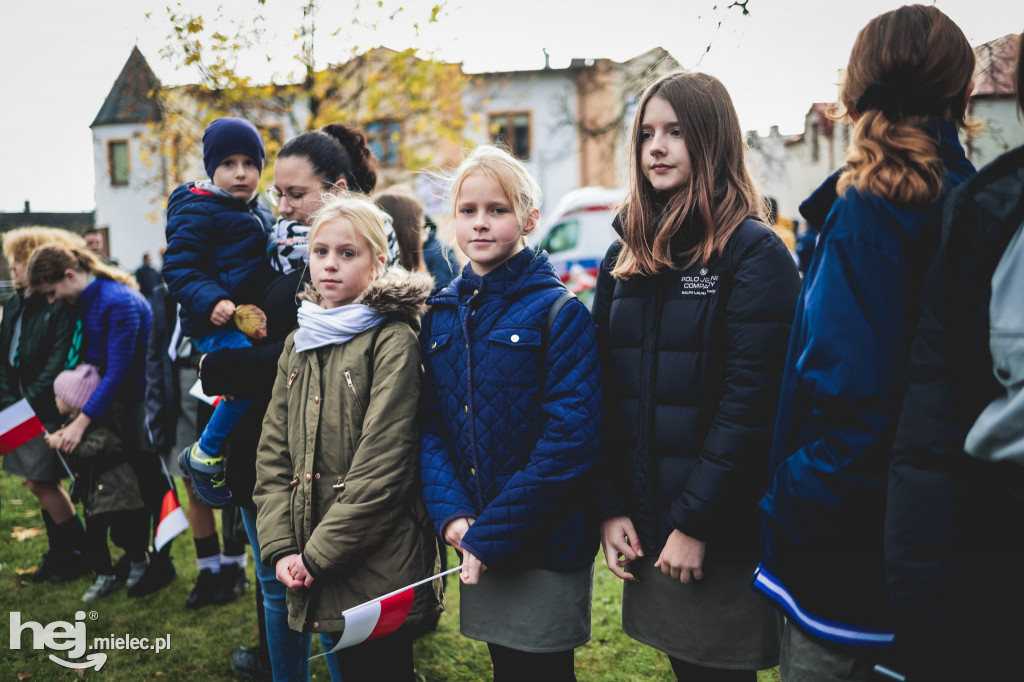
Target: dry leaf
column 24, row 676
column 21, row 534
column 251, row 321
column 15, row 501
column 25, row 571
column 30, row 513
column 80, row 672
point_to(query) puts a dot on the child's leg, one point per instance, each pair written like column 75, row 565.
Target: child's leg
column 202, row 461
column 513, row 664
column 228, row 412
column 97, row 552
column 130, row 531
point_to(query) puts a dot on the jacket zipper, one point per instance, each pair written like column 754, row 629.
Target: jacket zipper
column 352, row 387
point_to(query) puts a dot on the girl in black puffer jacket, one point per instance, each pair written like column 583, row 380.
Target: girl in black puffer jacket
column 693, row 306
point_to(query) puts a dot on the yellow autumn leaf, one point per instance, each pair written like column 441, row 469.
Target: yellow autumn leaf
column 21, row 534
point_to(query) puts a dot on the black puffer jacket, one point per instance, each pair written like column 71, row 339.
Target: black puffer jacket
column 955, row 524
column 692, row 361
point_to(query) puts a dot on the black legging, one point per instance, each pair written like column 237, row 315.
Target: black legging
column 513, row 665
column 129, row 531
column 689, row 672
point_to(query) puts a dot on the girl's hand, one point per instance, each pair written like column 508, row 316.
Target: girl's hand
column 53, row 439
column 71, row 435
column 222, row 312
column 471, row 568
column 682, row 558
column 300, row 573
column 283, row 570
column 454, row 531
column 621, row 545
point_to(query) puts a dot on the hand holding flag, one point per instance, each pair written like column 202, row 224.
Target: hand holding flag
column 18, row 425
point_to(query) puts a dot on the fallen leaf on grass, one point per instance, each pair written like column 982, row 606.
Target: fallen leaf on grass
column 25, row 571
column 21, row 534
column 24, row 676
column 30, row 513
column 15, row 501
column 80, row 672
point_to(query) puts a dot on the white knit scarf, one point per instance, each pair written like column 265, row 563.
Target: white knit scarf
column 320, row 327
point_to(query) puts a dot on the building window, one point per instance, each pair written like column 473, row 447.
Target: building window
column 117, row 162
column 384, row 138
column 511, row 129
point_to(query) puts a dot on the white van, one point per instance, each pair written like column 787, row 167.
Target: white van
column 577, row 233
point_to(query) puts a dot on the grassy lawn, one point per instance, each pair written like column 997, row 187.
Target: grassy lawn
column 201, row 640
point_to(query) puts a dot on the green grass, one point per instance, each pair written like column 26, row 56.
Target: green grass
column 201, row 641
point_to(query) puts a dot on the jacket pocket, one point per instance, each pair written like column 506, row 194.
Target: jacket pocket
column 355, row 393
column 513, row 357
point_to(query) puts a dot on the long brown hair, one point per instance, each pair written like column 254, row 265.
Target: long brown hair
column 718, row 196
column 907, row 67
column 49, row 262
column 407, row 214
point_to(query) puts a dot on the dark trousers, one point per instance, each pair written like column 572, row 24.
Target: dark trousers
column 388, row 659
column 512, row 665
column 128, row 529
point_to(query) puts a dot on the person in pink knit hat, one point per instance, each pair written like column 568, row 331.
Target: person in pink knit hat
column 105, row 483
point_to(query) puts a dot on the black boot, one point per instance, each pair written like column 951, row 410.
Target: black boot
column 65, row 559
column 233, row 583
column 207, row 590
column 249, row 664
column 158, row 575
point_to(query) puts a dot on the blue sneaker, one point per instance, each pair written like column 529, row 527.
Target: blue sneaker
column 207, row 474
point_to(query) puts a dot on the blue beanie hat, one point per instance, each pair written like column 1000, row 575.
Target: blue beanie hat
column 227, row 136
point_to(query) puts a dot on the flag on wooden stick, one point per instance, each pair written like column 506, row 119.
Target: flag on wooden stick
column 172, row 520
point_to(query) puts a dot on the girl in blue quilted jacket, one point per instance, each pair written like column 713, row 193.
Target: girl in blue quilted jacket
column 216, row 242
column 511, row 429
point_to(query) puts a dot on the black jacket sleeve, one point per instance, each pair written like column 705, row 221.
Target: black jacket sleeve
column 241, row 372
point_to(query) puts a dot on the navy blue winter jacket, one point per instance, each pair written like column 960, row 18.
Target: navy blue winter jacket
column 846, row 373
column 511, row 430
column 216, row 250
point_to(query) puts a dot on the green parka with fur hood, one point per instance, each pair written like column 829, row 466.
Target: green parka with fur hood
column 336, row 469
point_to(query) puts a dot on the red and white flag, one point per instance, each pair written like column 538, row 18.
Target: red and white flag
column 379, row 617
column 18, row 425
column 172, row 520
column 197, row 392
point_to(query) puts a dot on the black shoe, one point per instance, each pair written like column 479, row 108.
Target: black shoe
column 158, row 575
column 121, row 568
column 206, row 591
column 58, row 568
column 247, row 664
column 233, row 583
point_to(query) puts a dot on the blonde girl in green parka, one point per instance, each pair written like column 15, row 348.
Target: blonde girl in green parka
column 339, row 510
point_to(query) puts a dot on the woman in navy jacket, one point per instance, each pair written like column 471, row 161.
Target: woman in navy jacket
column 822, row 560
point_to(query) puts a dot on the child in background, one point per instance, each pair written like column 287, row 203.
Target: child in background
column 339, row 513
column 105, row 483
column 906, row 88
column 511, row 429
column 216, row 257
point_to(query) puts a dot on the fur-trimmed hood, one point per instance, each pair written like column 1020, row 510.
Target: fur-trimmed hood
column 399, row 294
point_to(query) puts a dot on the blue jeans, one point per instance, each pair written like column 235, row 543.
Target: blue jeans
column 289, row 649
column 228, row 412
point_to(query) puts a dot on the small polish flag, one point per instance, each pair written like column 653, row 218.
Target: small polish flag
column 379, row 617
column 172, row 520
column 18, row 425
column 197, row 392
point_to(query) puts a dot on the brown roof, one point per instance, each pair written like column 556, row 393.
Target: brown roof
column 133, row 97
column 993, row 74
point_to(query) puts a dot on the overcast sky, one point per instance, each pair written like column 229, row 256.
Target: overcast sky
column 60, row 58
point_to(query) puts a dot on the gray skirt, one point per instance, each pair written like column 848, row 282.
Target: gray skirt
column 533, row 610
column 716, row 622
column 35, row 461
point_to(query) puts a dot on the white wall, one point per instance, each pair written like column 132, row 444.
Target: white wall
column 133, row 213
column 1003, row 130
column 554, row 154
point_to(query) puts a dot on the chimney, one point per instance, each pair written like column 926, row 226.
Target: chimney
column 27, row 208
column 547, row 58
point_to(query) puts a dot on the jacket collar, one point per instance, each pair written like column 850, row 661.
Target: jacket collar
column 817, row 206
column 522, row 273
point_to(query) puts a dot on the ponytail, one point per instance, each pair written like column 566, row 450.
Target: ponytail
column 49, row 262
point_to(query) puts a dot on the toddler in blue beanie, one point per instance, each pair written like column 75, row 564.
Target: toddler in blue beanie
column 216, row 251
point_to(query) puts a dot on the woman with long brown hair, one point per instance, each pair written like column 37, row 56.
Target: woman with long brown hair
column 906, row 89
column 693, row 308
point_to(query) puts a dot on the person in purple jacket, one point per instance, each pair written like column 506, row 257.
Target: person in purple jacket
column 115, row 324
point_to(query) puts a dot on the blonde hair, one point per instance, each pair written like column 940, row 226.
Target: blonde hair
column 718, row 196
column 365, row 218
column 907, row 67
column 521, row 190
column 49, row 262
column 19, row 243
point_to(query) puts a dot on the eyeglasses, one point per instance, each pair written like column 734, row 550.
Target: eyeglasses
column 275, row 195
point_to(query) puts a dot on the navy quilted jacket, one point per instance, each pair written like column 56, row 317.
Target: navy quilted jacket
column 506, row 440
column 216, row 250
